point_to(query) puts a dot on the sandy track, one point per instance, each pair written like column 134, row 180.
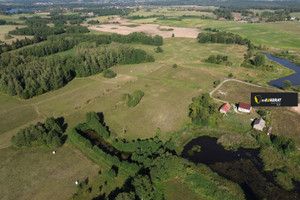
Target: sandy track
column 152, row 29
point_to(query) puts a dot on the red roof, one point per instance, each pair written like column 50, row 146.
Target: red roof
column 225, row 107
column 245, row 106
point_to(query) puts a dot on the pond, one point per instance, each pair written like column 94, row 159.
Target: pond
column 243, row 167
column 15, row 11
column 294, row 78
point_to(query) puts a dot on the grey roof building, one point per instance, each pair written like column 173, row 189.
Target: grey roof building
column 259, row 124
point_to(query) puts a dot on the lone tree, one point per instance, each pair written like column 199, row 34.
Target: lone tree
column 259, row 60
column 287, row 84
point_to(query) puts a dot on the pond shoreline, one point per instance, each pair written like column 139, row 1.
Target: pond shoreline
column 294, row 78
column 243, row 167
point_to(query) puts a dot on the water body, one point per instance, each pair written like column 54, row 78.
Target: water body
column 294, row 78
column 14, row 11
column 243, row 167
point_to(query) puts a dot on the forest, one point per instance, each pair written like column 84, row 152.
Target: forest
column 21, row 73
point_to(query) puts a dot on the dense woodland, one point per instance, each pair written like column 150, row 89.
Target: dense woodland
column 49, row 133
column 27, row 72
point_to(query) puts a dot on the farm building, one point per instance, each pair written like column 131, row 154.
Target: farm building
column 244, row 107
column 259, row 124
column 224, row 108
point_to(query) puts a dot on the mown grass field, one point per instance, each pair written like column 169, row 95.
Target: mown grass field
column 37, row 174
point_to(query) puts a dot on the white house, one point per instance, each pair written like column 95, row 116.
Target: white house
column 244, row 107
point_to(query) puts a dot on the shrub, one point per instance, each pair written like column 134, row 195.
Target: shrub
column 134, row 99
column 262, row 112
column 287, row 84
column 175, row 66
column 159, row 50
column 107, row 73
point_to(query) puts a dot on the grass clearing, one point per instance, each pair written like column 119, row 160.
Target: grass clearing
column 175, row 189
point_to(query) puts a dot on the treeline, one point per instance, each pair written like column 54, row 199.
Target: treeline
column 49, row 133
column 4, row 22
column 4, row 47
column 223, row 38
column 41, row 32
column 60, row 19
column 138, row 37
column 61, row 43
column 223, row 13
column 47, row 48
column 104, row 11
column 278, row 15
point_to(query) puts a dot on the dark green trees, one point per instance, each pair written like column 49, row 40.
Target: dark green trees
column 283, row 144
column 50, row 133
column 203, row 112
column 159, row 50
column 287, row 84
column 143, row 187
column 259, row 60
column 222, row 37
column 107, row 73
column 94, row 121
column 134, row 99
column 219, row 59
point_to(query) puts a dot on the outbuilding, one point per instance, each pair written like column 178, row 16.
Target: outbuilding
column 259, row 124
column 224, row 108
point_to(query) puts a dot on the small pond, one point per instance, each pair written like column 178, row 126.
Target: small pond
column 243, row 167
